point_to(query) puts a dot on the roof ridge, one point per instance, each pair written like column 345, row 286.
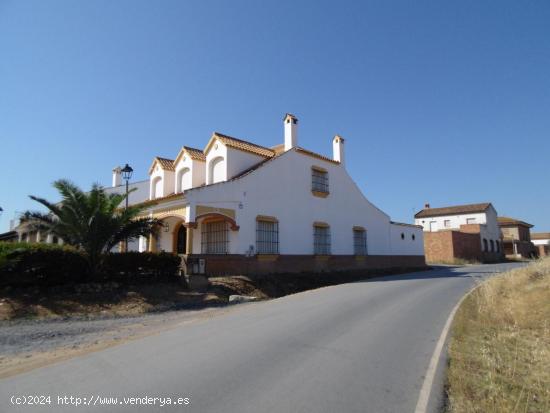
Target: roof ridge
column 193, row 149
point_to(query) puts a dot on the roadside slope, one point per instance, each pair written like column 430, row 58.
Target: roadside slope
column 500, row 347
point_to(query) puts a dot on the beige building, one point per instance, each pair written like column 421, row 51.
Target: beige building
column 516, row 236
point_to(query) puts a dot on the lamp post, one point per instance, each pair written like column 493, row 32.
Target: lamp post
column 126, row 175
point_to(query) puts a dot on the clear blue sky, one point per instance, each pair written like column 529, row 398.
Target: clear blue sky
column 445, row 102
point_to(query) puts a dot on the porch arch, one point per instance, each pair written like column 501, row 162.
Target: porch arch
column 215, row 215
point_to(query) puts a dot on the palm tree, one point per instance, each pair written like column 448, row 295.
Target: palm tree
column 91, row 221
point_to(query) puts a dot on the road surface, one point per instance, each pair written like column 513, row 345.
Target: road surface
column 359, row 347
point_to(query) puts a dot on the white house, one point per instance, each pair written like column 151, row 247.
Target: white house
column 240, row 207
column 472, row 218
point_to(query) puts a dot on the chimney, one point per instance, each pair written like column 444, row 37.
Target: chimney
column 426, row 206
column 291, row 131
column 117, row 176
column 338, row 149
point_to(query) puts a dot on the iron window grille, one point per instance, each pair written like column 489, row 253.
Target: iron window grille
column 319, row 181
column 214, row 238
column 267, row 237
column 359, row 242
column 321, row 240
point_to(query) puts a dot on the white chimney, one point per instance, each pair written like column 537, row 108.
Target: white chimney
column 117, row 176
column 338, row 149
column 291, row 131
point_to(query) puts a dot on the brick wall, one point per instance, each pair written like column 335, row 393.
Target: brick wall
column 239, row 264
column 448, row 246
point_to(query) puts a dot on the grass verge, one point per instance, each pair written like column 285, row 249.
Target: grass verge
column 499, row 352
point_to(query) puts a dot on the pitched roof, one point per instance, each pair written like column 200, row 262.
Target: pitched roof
column 240, row 144
column 540, row 235
column 165, row 163
column 194, row 153
column 453, row 210
column 505, row 221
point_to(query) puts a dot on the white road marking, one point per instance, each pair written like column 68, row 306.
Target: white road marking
column 424, row 397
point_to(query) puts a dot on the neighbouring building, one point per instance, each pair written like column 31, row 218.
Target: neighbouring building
column 517, row 238
column 462, row 232
column 239, row 207
column 541, row 240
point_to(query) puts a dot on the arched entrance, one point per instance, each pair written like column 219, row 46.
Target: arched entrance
column 180, row 240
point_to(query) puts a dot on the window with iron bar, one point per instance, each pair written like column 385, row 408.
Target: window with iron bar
column 321, row 240
column 319, row 180
column 267, row 237
column 214, row 238
column 359, row 242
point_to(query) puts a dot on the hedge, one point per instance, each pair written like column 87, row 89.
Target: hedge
column 40, row 264
column 149, row 264
column 24, row 264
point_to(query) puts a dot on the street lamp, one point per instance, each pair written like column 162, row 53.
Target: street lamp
column 126, row 175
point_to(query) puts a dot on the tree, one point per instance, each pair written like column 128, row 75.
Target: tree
column 94, row 221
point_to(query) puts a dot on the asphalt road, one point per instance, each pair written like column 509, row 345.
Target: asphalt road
column 360, row 347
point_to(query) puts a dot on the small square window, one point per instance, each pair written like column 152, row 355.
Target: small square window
column 447, row 223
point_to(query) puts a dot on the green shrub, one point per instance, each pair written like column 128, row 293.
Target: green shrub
column 34, row 264
column 40, row 264
column 146, row 264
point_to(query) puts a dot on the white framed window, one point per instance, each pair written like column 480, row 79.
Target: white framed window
column 319, row 180
column 214, row 237
column 321, row 239
column 267, row 236
column 359, row 241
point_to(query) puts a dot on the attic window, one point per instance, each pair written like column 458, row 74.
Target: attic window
column 319, row 181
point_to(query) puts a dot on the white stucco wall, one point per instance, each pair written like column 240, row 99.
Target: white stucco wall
column 541, row 241
column 406, row 239
column 238, row 161
column 194, row 174
column 163, row 187
column 217, row 150
column 282, row 188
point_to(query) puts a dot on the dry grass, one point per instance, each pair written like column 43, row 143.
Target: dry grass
column 500, row 348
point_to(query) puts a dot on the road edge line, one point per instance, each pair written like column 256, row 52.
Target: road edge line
column 426, row 390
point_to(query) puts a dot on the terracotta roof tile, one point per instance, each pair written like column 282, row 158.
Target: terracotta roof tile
column 242, row 145
column 165, row 163
column 512, row 221
column 453, row 210
column 315, row 155
column 540, row 235
column 196, row 154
